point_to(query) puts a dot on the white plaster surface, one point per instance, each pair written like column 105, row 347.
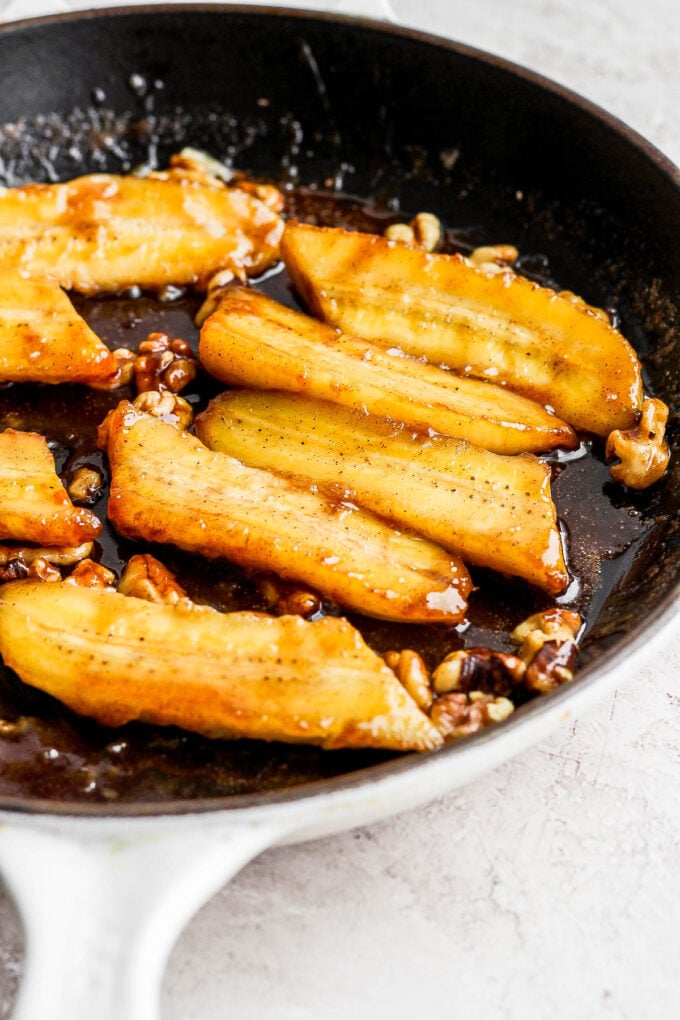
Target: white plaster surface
column 549, row 888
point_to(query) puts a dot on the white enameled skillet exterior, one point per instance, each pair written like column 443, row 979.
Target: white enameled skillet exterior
column 104, row 898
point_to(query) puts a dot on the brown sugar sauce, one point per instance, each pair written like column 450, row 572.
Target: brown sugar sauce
column 48, row 752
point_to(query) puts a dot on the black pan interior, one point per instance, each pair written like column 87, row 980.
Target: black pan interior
column 359, row 123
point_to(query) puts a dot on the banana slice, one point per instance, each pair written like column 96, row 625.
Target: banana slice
column 493, row 511
column 254, row 341
column 499, row 326
column 118, row 658
column 42, row 337
column 105, row 232
column 166, row 486
column 34, row 505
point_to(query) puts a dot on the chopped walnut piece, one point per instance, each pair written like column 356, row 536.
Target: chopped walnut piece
column 480, row 669
column 642, row 450
column 493, row 258
column 400, row 232
column 147, row 578
column 495, row 253
column 167, row 406
column 459, row 715
column 13, row 570
column 550, row 625
column 411, row 672
column 41, row 570
column 552, row 666
column 548, row 646
column 85, row 485
column 299, row 602
column 288, row 599
column 427, row 230
column 424, row 230
column 164, row 364
column 60, row 556
column 125, row 361
column 89, row 574
column 38, row 570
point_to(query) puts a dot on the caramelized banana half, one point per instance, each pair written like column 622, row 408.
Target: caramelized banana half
column 254, row 341
column 34, row 505
column 493, row 511
column 494, row 326
column 42, row 337
column 118, row 658
column 105, row 232
column 166, row 486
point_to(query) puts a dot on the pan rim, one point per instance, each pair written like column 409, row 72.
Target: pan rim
column 588, row 682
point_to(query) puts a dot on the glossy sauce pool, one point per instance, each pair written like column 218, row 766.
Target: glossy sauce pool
column 48, row 752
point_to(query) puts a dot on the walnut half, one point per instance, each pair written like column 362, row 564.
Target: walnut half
column 642, row 450
column 424, row 231
column 164, row 364
column 459, row 715
column 478, row 669
column 547, row 644
column 169, row 407
column 286, row 598
column 88, row 574
column 37, row 570
column 493, row 258
column 412, row 674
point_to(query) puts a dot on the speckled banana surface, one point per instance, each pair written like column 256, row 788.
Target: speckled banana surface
column 254, row 341
column 118, row 658
column 106, row 232
column 166, row 486
column 500, row 326
column 493, row 511
column 34, row 505
column 42, row 337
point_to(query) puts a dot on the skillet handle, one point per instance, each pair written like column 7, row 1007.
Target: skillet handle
column 101, row 911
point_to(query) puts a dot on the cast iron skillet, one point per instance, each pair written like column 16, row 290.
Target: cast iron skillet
column 410, row 122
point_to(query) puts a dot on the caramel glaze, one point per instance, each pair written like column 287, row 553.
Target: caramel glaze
column 49, row 753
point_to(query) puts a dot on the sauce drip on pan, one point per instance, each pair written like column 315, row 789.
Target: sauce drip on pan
column 47, row 752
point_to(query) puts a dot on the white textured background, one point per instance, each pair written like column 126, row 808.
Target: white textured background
column 551, row 887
